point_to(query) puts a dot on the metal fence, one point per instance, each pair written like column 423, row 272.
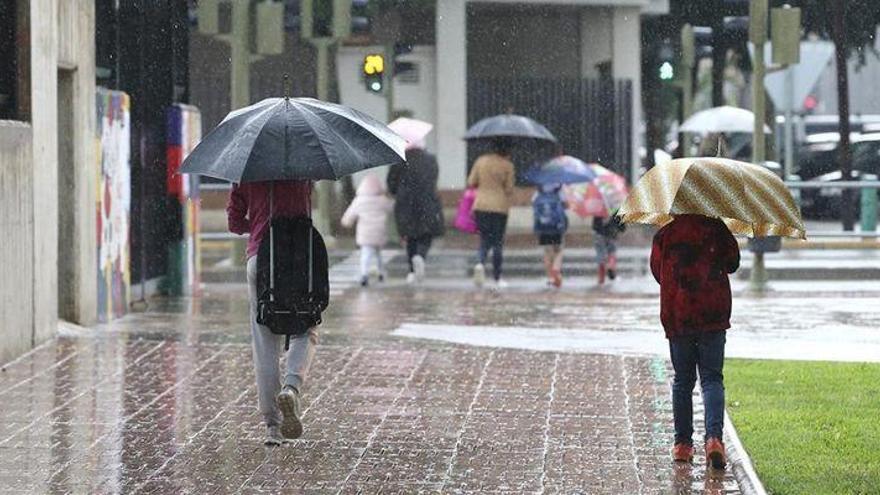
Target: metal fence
column 592, row 118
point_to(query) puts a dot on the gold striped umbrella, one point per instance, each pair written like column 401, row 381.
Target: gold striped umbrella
column 750, row 199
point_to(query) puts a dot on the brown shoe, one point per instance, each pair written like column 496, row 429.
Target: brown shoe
column 716, row 456
column 683, row 452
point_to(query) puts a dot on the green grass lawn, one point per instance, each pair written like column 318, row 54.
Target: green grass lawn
column 810, row 428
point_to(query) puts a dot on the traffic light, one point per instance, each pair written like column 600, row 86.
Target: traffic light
column 374, row 72
column 666, row 57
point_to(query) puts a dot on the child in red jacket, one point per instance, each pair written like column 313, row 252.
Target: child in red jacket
column 691, row 258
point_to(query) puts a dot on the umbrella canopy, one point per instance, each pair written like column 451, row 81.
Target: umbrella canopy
column 294, row 138
column 413, row 130
column 750, row 199
column 509, row 126
column 600, row 197
column 721, row 119
column 561, row 170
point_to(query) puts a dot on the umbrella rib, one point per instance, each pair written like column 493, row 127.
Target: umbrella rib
column 316, row 119
column 358, row 122
column 251, row 151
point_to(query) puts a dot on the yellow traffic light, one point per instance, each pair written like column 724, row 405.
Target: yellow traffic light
column 374, row 64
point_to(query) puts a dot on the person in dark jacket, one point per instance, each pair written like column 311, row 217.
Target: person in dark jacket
column 605, row 232
column 417, row 210
column 691, row 258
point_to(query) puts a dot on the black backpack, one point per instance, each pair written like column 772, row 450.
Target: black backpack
column 293, row 286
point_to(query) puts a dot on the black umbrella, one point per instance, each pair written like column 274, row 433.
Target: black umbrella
column 294, row 138
column 509, row 126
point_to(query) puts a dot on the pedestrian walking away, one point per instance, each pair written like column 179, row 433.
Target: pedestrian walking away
column 691, row 258
column 605, row 232
column 418, row 211
column 493, row 177
column 551, row 223
column 250, row 210
column 369, row 210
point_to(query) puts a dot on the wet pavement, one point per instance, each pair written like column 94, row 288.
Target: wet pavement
column 163, row 401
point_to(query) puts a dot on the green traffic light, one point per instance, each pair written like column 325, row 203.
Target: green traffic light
column 667, row 72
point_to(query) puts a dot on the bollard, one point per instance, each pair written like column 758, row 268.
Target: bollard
column 760, row 245
column 869, row 206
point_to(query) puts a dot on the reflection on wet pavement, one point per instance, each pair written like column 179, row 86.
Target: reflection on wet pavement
column 163, row 402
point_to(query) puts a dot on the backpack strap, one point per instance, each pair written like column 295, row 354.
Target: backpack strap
column 271, row 242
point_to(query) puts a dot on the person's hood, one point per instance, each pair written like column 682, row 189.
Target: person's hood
column 370, row 186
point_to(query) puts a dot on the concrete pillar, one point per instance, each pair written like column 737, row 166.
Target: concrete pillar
column 451, row 92
column 627, row 64
column 596, row 39
column 44, row 119
column 84, row 242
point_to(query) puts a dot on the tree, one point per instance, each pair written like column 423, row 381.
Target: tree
column 852, row 26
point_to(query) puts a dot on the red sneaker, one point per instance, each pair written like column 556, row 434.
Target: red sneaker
column 682, row 452
column 715, row 454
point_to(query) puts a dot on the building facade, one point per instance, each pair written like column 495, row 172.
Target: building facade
column 47, row 175
column 480, row 43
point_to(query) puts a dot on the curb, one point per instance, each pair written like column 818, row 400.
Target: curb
column 740, row 462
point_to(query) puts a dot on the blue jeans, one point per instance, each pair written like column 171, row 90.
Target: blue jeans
column 703, row 352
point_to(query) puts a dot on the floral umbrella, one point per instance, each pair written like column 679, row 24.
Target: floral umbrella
column 600, row 197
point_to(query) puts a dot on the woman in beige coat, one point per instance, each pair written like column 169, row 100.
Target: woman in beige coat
column 493, row 177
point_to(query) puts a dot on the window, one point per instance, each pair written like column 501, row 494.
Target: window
column 14, row 60
column 407, row 73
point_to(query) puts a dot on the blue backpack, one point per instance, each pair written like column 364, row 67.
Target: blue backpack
column 549, row 212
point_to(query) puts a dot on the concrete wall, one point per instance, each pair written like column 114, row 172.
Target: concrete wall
column 16, row 245
column 29, row 167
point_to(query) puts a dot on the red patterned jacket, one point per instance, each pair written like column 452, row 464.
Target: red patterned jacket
column 690, row 259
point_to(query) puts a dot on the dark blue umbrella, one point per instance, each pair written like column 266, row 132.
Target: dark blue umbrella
column 509, row 126
column 563, row 169
column 294, row 138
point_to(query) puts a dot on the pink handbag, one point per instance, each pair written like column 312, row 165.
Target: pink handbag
column 464, row 219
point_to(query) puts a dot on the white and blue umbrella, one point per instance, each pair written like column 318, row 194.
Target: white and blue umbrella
column 563, row 169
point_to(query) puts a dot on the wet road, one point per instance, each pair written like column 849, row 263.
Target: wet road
column 163, row 402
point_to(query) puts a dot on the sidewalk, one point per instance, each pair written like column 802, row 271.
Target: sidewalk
column 163, row 402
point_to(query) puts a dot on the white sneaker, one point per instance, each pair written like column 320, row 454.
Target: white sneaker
column 411, row 278
column 479, row 275
column 501, row 284
column 419, row 267
column 288, row 402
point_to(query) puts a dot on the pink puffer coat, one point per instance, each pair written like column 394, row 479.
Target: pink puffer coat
column 369, row 210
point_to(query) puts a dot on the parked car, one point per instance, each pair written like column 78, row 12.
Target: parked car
column 818, row 161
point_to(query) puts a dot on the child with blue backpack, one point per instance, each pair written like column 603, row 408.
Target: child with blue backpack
column 551, row 223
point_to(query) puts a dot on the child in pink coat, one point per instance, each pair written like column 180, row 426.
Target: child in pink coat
column 369, row 210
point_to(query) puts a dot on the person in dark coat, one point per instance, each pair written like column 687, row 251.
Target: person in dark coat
column 417, row 210
column 605, row 232
column 691, row 258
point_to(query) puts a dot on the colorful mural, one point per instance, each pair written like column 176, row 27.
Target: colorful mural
column 113, row 203
column 184, row 133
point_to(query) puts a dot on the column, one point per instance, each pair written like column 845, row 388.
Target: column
column 627, row 57
column 451, row 92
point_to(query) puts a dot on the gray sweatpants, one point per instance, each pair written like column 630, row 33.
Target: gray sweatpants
column 267, row 354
